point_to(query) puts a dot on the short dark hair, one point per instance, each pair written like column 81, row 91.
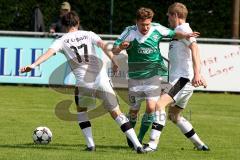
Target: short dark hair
column 70, row 19
column 144, row 13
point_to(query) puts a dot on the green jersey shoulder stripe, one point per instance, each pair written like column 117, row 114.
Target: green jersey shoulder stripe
column 129, row 29
column 166, row 32
column 125, row 34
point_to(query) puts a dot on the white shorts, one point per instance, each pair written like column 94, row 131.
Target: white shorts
column 141, row 89
column 181, row 90
column 87, row 97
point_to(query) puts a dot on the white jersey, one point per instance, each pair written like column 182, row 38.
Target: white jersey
column 79, row 49
column 180, row 56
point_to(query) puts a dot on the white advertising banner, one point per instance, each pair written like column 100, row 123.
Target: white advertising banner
column 220, row 66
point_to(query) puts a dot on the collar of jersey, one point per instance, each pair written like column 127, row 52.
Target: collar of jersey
column 141, row 38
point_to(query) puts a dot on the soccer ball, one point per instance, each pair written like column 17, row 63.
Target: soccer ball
column 42, row 135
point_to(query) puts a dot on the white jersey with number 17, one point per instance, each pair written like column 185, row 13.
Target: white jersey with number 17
column 79, row 49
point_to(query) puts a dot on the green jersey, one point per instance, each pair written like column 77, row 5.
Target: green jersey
column 144, row 56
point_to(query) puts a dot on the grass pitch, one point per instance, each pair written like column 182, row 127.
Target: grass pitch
column 215, row 117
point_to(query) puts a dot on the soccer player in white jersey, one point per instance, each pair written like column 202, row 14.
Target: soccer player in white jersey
column 184, row 75
column 92, row 79
column 145, row 64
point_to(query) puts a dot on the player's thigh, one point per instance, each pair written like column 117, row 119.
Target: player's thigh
column 142, row 89
column 181, row 91
column 84, row 99
column 152, row 92
column 183, row 96
column 152, row 87
column 106, row 94
column 135, row 94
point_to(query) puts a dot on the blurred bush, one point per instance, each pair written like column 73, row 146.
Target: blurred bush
column 211, row 18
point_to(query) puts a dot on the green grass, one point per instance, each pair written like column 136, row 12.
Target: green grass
column 214, row 116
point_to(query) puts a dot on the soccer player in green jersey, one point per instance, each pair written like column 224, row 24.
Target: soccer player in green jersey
column 145, row 64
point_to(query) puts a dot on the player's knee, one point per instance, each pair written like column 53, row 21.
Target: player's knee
column 172, row 117
column 132, row 115
column 115, row 112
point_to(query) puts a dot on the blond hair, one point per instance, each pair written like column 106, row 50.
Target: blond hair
column 179, row 9
column 144, row 13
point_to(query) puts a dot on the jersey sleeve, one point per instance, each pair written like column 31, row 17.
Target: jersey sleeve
column 57, row 45
column 125, row 36
column 189, row 41
column 186, row 29
column 164, row 31
column 94, row 37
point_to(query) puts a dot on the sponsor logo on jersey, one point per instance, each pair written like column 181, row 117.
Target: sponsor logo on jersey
column 155, row 37
column 146, row 50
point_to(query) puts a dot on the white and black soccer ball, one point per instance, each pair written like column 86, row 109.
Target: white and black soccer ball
column 42, row 135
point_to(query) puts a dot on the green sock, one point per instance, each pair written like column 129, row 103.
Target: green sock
column 145, row 124
column 132, row 120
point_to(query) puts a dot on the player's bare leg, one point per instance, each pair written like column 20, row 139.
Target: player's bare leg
column 159, row 122
column 186, row 127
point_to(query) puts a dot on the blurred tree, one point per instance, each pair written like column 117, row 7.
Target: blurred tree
column 212, row 19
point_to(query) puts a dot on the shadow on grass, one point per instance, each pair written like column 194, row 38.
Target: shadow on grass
column 58, row 146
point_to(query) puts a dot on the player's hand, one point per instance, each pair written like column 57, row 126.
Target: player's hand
column 26, row 69
column 204, row 83
column 199, row 81
column 124, row 45
column 193, row 34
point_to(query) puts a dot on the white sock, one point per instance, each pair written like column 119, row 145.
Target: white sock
column 130, row 133
column 87, row 132
column 196, row 140
column 86, row 128
column 187, row 129
column 133, row 137
column 155, row 133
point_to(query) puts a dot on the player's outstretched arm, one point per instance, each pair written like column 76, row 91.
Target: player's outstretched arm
column 184, row 35
column 40, row 60
column 109, row 53
column 117, row 49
